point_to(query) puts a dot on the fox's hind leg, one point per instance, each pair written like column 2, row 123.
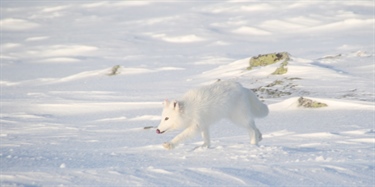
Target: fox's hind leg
column 241, row 115
column 255, row 135
column 206, row 138
column 249, row 124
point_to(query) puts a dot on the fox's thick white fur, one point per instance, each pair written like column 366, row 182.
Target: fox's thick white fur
column 200, row 108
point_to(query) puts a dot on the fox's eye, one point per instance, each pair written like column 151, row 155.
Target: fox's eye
column 167, row 118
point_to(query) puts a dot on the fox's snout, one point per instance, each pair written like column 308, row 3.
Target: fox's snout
column 159, row 132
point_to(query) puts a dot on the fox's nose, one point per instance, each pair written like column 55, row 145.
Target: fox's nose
column 158, row 131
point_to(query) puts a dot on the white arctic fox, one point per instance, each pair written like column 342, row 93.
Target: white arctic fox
column 199, row 108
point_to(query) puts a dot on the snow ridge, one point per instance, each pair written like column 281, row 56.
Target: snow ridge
column 65, row 122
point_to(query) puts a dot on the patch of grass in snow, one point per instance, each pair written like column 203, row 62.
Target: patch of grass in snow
column 274, row 83
column 271, row 58
column 308, row 103
column 277, row 88
column 115, row 70
column 282, row 69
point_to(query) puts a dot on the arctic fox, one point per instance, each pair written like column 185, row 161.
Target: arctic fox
column 200, row 108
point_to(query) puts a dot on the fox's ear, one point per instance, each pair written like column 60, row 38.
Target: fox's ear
column 178, row 106
column 166, row 103
column 173, row 104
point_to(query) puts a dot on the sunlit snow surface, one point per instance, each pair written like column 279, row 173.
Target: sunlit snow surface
column 66, row 122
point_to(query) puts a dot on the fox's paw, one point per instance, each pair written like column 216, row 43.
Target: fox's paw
column 205, row 146
column 260, row 138
column 168, row 145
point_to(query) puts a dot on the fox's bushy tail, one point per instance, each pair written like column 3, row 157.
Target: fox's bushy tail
column 258, row 108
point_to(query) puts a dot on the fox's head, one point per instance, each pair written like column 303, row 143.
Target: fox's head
column 171, row 118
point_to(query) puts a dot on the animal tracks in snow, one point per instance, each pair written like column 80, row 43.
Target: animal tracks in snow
column 85, row 75
column 324, row 138
column 137, row 118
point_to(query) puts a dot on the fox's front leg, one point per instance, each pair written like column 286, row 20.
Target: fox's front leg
column 180, row 138
column 206, row 138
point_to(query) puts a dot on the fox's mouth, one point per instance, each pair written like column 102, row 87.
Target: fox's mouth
column 159, row 132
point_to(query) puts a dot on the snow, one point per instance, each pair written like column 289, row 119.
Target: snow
column 66, row 122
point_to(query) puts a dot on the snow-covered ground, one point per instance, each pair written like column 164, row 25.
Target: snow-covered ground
column 66, row 122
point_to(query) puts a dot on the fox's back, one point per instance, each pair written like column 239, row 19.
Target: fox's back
column 215, row 99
